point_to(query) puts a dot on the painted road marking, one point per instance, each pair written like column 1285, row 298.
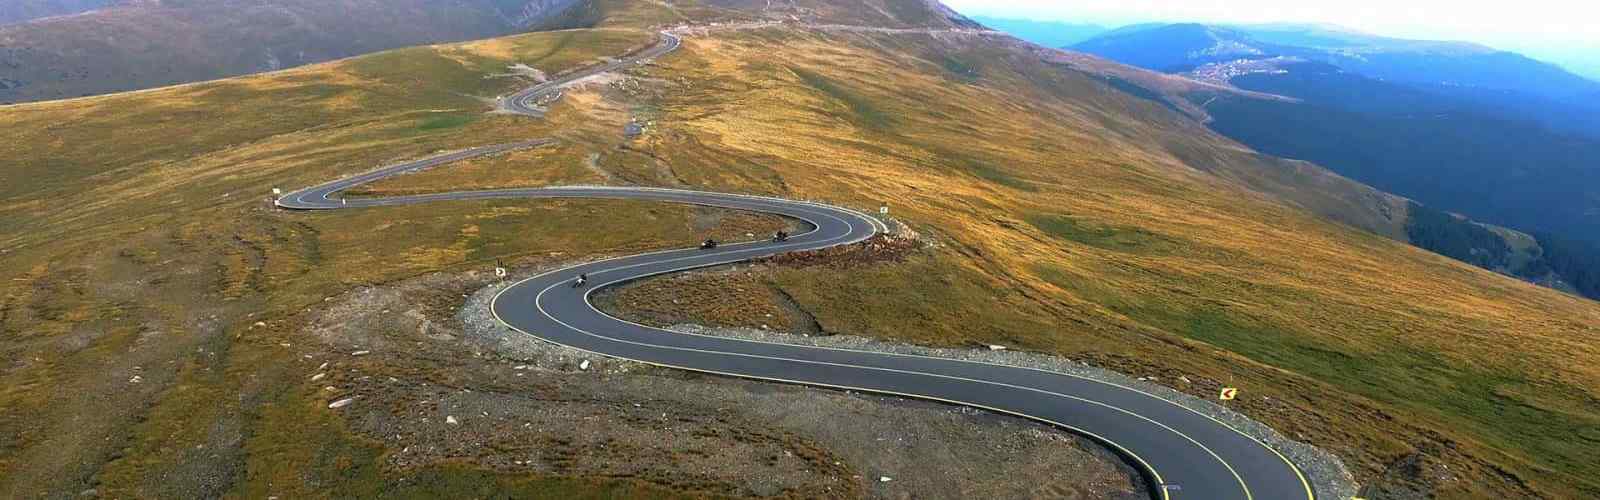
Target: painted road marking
column 538, row 302
column 673, row 195
column 758, row 206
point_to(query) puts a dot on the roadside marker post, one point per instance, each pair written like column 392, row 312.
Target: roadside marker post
column 883, row 210
column 500, row 272
column 1228, row 393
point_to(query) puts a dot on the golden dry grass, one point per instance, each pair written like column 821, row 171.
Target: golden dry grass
column 1074, row 221
column 136, row 238
column 1068, row 218
column 1502, row 366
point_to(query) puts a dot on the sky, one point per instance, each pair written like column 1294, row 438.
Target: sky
column 1566, row 32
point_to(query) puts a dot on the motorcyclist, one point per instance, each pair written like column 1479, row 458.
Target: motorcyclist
column 709, row 244
column 781, row 236
column 582, row 279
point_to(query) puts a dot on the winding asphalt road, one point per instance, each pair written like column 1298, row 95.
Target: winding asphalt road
column 1182, row 453
column 523, row 102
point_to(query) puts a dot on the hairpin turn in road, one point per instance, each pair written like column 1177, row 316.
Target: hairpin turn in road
column 1182, row 452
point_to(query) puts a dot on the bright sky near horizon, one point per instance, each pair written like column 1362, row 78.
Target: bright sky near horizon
column 1563, row 31
column 1526, row 21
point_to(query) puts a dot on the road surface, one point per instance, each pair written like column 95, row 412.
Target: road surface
column 1183, row 454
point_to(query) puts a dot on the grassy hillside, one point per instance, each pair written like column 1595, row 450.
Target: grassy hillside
column 1067, row 216
column 138, row 45
column 104, row 279
column 1086, row 226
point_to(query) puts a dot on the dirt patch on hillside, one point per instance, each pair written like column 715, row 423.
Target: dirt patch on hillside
column 435, row 386
column 743, row 295
column 738, row 295
column 877, row 249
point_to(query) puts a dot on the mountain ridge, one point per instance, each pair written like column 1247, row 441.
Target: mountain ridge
column 1157, row 46
column 17, row 11
column 1046, row 33
column 1501, row 152
column 143, row 45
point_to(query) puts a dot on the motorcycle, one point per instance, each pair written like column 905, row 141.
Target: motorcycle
column 708, row 244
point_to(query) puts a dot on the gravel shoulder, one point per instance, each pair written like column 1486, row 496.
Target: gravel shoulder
column 438, row 380
column 656, row 301
column 1328, row 475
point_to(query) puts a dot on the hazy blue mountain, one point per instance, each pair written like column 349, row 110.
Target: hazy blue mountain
column 1334, row 37
column 1131, row 28
column 1448, row 153
column 1046, row 33
column 1428, row 62
column 1459, row 127
column 1578, row 115
column 1174, row 47
column 1579, row 58
column 1180, row 47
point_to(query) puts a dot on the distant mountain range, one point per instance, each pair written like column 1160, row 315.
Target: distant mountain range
column 1046, row 33
column 1182, row 47
column 137, row 44
column 1458, row 127
column 1513, row 84
column 16, row 11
